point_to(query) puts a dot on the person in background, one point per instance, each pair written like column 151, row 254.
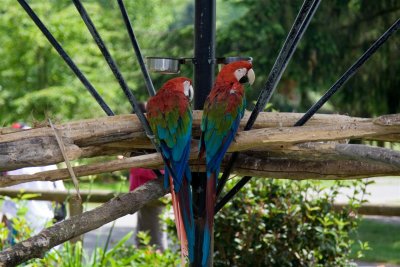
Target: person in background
column 39, row 213
column 148, row 217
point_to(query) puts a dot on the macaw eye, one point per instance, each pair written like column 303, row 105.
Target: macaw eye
column 240, row 73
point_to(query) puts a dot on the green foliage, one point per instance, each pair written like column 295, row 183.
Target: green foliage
column 122, row 254
column 19, row 223
column 281, row 223
column 35, row 82
column 338, row 34
column 74, row 255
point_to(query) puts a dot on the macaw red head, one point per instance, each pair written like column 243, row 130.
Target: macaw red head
column 239, row 71
column 180, row 84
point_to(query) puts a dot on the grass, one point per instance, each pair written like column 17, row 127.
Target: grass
column 383, row 239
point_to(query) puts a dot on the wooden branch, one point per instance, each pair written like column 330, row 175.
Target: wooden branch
column 300, row 169
column 373, row 153
column 37, row 246
column 373, row 209
column 146, row 161
column 303, row 161
column 93, row 196
column 123, row 133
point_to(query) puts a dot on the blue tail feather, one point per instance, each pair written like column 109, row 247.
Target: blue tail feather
column 185, row 199
column 209, row 218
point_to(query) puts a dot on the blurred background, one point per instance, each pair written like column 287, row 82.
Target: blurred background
column 34, row 81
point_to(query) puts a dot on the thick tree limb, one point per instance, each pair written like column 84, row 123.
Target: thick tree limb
column 303, row 161
column 146, row 161
column 92, row 196
column 371, row 209
column 37, row 246
column 121, row 133
column 373, row 153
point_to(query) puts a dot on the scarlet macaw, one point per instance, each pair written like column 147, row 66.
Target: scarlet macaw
column 223, row 110
column 170, row 117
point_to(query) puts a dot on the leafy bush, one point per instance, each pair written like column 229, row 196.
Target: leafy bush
column 121, row 254
column 282, row 223
column 74, row 255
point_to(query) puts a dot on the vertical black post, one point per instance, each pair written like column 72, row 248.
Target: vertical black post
column 204, row 66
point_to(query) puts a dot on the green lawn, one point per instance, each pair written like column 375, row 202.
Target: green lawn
column 384, row 240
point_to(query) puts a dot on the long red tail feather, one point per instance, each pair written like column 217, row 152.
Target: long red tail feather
column 179, row 224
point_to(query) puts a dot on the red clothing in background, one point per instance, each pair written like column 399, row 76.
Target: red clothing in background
column 140, row 176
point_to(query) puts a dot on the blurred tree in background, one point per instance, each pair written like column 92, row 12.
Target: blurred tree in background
column 35, row 81
column 338, row 34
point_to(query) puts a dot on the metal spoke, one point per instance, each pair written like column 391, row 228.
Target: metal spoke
column 114, row 68
column 111, row 63
column 300, row 25
column 348, row 74
column 66, row 57
column 136, row 48
column 335, row 87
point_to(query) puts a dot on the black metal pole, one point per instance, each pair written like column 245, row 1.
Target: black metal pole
column 204, row 68
column 66, row 57
column 136, row 48
column 111, row 63
column 334, row 88
column 349, row 73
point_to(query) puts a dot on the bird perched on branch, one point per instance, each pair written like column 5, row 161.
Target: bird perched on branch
column 223, row 110
column 170, row 117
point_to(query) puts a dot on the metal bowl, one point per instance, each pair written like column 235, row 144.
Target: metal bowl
column 163, row 65
column 228, row 60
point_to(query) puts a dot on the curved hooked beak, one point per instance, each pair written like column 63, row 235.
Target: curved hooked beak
column 251, row 76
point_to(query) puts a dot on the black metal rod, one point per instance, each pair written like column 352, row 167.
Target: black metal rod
column 300, row 25
column 231, row 193
column 335, row 87
column 204, row 71
column 65, row 57
column 111, row 63
column 348, row 74
column 136, row 48
column 114, row 68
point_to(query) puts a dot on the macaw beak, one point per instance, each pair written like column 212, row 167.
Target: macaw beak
column 251, row 76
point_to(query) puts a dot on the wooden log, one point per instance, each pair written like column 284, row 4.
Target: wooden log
column 374, row 209
column 95, row 196
column 123, row 133
column 75, row 208
column 37, row 246
column 304, row 161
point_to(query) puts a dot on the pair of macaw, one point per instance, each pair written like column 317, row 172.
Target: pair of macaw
column 170, row 117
